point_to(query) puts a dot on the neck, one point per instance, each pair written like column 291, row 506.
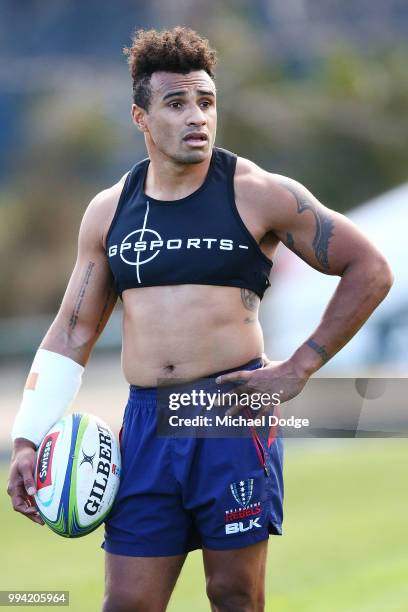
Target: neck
column 169, row 180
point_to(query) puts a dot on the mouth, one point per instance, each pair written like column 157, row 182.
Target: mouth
column 196, row 138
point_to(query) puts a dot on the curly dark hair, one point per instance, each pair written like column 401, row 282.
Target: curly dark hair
column 178, row 50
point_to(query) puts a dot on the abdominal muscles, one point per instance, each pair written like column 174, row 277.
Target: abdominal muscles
column 187, row 331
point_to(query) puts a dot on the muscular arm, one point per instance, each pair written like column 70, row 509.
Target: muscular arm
column 330, row 243
column 286, row 211
column 85, row 309
column 90, row 296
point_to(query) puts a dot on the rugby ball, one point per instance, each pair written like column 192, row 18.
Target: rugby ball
column 77, row 475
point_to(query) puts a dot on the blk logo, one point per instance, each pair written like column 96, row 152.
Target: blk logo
column 240, row 527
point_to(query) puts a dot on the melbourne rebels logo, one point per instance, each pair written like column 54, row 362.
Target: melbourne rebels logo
column 142, row 245
column 242, row 491
column 246, row 516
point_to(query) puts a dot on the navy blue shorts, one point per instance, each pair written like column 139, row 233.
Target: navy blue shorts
column 179, row 494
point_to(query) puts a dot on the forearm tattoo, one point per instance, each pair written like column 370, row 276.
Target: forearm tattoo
column 249, row 299
column 320, row 350
column 75, row 313
column 324, row 227
column 109, row 298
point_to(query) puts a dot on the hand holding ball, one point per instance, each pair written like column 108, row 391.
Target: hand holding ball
column 77, row 475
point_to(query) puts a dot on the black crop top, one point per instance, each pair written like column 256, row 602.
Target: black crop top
column 200, row 239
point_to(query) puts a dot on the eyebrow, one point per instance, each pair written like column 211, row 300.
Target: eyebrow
column 201, row 92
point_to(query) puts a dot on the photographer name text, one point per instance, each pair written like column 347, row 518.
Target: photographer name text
column 238, row 421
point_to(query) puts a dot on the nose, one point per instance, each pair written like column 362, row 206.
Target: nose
column 196, row 116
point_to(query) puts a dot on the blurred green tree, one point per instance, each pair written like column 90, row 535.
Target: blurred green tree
column 339, row 124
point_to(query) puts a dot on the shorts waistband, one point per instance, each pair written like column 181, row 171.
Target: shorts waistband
column 142, row 393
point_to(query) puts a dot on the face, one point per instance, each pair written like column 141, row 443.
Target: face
column 182, row 118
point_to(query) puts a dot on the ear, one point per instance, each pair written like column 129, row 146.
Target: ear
column 139, row 117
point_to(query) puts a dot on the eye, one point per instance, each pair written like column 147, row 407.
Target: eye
column 175, row 105
column 206, row 103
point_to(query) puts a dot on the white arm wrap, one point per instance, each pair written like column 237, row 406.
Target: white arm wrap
column 51, row 387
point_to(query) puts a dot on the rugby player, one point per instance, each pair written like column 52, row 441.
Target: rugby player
column 187, row 239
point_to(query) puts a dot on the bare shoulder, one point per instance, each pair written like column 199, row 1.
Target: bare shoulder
column 272, row 194
column 249, row 173
column 101, row 210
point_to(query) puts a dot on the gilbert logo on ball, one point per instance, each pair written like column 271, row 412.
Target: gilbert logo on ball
column 77, row 475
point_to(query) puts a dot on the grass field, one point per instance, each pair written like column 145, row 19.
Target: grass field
column 344, row 548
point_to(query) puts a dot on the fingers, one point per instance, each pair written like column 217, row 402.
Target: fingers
column 21, row 488
column 30, row 512
column 26, row 506
column 240, row 378
column 26, row 471
column 234, row 410
column 225, row 399
column 237, row 377
column 250, row 386
column 36, row 518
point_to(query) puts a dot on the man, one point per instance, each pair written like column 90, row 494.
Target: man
column 186, row 239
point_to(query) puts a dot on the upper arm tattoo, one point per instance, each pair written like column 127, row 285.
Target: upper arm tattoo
column 290, row 243
column 324, row 227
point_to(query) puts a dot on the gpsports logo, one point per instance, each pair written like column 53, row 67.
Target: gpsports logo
column 44, row 464
column 141, row 246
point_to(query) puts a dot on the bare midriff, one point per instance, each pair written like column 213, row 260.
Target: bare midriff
column 187, row 332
